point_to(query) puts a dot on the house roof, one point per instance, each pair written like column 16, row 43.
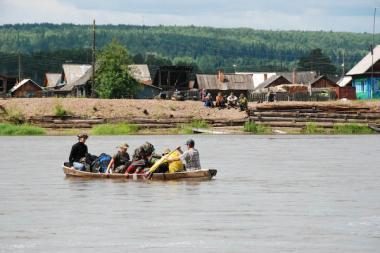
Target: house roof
column 22, row 83
column 320, row 78
column 141, row 73
column 231, row 82
column 343, row 82
column 52, row 79
column 302, row 77
column 76, row 74
column 269, row 81
column 366, row 63
column 258, row 77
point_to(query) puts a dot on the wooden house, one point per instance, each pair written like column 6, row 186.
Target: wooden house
column 141, row 74
column 6, row 83
column 225, row 83
column 27, row 88
column 272, row 82
column 323, row 82
column 76, row 80
column 170, row 78
column 366, row 75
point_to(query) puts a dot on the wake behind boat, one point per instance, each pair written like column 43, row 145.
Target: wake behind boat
column 204, row 174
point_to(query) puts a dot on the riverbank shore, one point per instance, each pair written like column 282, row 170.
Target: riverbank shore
column 69, row 116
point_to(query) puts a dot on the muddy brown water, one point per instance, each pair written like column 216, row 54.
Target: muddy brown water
column 271, row 194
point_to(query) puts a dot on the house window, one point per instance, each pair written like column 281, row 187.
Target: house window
column 30, row 94
column 2, row 86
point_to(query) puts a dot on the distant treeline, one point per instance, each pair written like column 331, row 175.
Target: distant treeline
column 44, row 47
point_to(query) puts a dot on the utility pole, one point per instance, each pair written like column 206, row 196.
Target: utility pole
column 372, row 47
column 19, row 67
column 19, row 56
column 343, row 64
column 93, row 60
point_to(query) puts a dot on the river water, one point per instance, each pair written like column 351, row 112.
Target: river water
column 271, row 194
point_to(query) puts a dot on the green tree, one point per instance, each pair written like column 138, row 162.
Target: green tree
column 113, row 79
column 317, row 61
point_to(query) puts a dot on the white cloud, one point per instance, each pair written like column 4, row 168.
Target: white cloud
column 271, row 14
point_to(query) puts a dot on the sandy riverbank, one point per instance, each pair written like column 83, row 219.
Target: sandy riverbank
column 119, row 108
column 151, row 112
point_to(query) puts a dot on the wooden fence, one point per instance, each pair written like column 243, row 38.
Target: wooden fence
column 282, row 96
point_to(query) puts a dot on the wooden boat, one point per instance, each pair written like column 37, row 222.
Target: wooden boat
column 186, row 175
column 376, row 128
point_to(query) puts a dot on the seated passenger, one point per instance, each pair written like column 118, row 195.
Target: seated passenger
column 219, row 102
column 232, row 101
column 209, row 101
column 168, row 166
column 78, row 153
column 243, row 102
column 190, row 156
column 143, row 157
column 120, row 161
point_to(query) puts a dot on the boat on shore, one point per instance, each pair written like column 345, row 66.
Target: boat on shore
column 204, row 174
column 375, row 128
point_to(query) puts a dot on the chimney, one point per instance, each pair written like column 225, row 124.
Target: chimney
column 294, row 79
column 221, row 76
column 265, row 76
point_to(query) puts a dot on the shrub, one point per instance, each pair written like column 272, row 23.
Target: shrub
column 115, row 129
column 11, row 129
column 60, row 111
column 252, row 127
column 15, row 116
column 351, row 129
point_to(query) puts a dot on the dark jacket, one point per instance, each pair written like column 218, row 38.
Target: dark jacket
column 78, row 151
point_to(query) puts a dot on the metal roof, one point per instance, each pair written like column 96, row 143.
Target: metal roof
column 141, row 73
column 231, row 82
column 366, row 63
column 52, row 79
column 76, row 74
column 343, row 82
column 24, row 82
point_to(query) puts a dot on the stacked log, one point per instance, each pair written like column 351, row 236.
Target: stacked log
column 56, row 122
column 299, row 115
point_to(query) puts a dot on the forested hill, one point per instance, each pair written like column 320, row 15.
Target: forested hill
column 208, row 48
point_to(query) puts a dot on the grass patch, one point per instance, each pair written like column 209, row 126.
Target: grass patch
column 252, row 127
column 11, row 129
column 115, row 129
column 60, row 111
column 312, row 128
column 188, row 128
column 351, row 129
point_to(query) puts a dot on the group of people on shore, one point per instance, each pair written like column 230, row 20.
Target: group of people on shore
column 222, row 102
column 144, row 159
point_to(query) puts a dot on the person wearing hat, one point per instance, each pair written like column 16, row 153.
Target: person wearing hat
column 78, row 152
column 190, row 156
column 120, row 161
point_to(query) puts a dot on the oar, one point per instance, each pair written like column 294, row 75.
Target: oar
column 158, row 163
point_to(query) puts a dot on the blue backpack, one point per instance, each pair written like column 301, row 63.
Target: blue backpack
column 101, row 163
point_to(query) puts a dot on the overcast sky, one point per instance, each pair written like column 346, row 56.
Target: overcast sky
column 335, row 15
